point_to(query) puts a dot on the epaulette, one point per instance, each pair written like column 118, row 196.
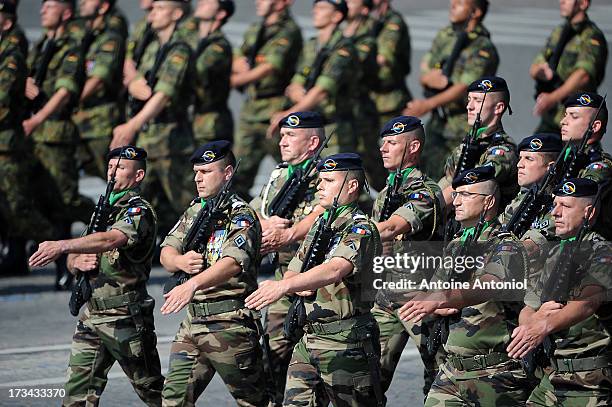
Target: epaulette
column 359, row 217
column 237, row 203
column 282, row 165
column 195, row 200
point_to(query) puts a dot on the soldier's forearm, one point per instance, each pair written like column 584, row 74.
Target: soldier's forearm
column 525, row 315
column 169, row 259
column 150, row 110
column 311, row 100
column 218, row 273
column 55, row 103
column 324, row 274
column 95, row 243
column 576, row 81
column 570, row 314
column 455, row 92
column 253, row 75
column 300, row 229
column 393, row 227
column 92, row 85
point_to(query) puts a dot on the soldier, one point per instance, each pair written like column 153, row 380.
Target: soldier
column 417, row 216
column 162, row 124
column 460, row 54
column 325, row 79
column 495, row 146
column 213, row 64
column 394, row 53
column 221, row 278
column 478, row 369
column 142, row 36
column 302, row 133
column 98, row 113
column 117, row 324
column 117, row 21
column 339, row 347
column 573, row 59
column 16, row 33
column 263, row 68
column 567, row 306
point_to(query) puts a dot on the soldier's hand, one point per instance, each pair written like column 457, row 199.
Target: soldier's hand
column 139, row 89
column 415, row 310
column 123, row 135
column 549, row 308
column 273, row 128
column 542, row 72
column 31, row 90
column 418, row 108
column 30, row 125
column 269, row 291
column 85, row 262
column 275, row 222
column 129, row 71
column 295, row 92
column 240, row 65
column 178, row 297
column 435, row 79
column 544, row 103
column 274, row 239
column 46, row 253
column 191, row 262
column 527, row 337
column 305, row 293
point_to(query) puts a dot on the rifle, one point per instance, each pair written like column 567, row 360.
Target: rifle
column 199, row 233
column 81, row 291
column 393, row 199
column 547, row 86
column 147, row 36
column 317, row 66
column 39, row 74
column 296, row 315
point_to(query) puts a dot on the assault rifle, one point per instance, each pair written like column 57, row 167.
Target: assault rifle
column 39, row 74
column 547, row 86
column 393, row 199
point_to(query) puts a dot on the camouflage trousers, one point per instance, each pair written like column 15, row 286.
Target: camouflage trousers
column 92, row 154
column 211, row 126
column 578, row 389
column 394, row 334
column 96, row 345
column 442, row 136
column 227, row 346
column 505, row 384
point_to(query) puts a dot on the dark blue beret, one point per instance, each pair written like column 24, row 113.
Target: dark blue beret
column 400, row 125
column 340, row 162
column 128, row 153
column 8, row 7
column 211, row 152
column 339, row 4
column 303, row 120
column 489, row 84
column 577, row 187
column 585, row 99
column 542, row 143
column 474, row 176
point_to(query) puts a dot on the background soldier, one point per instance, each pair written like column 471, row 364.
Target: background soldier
column 417, row 216
column 341, row 334
column 117, row 324
column 141, row 37
column 222, row 276
column 573, row 59
column 16, row 33
column 117, row 21
column 567, row 306
column 213, row 65
column 460, row 54
column 99, row 110
column 263, row 68
column 302, row 133
column 162, row 124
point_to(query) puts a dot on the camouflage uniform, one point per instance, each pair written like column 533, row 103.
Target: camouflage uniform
column 137, row 35
column 340, row 327
column 393, row 42
column 424, row 214
column 219, row 334
column 580, row 373
column 117, row 324
column 21, row 39
column 479, row 58
column 281, row 347
column 500, row 151
column 118, row 23
column 478, row 370
column 213, row 64
column 100, row 113
column 587, row 50
column 281, row 49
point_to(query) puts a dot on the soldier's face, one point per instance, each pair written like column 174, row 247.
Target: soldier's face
column 88, row 8
column 355, row 9
column 146, row 4
column 162, row 15
column 295, row 144
column 460, row 10
column 329, row 185
column 392, row 150
column 575, row 122
column 128, row 174
column 264, row 7
column 569, row 214
column 474, row 102
column 209, row 178
column 567, row 7
column 469, row 202
column 531, row 168
column 52, row 13
column 206, row 9
column 323, row 14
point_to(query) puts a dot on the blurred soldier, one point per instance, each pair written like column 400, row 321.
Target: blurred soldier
column 16, row 33
column 117, row 324
column 221, row 278
column 568, row 306
column 417, row 216
column 263, row 68
column 460, row 54
column 495, row 146
column 326, row 77
column 117, row 21
column 213, row 65
column 394, row 52
column 142, row 36
column 574, row 59
column 299, row 141
column 98, row 113
column 339, row 349
column 161, row 121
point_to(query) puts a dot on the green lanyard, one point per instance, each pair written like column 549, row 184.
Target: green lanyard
column 480, row 131
column 470, row 232
column 564, row 242
column 291, row 169
column 115, row 196
column 404, row 174
column 339, row 210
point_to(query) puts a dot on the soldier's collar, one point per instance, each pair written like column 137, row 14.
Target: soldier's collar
column 579, row 26
column 291, row 168
column 488, row 132
column 469, row 232
column 563, row 242
column 404, row 174
column 116, row 197
column 340, row 210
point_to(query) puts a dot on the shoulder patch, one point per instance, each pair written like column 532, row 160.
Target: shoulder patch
column 360, row 230
column 217, row 47
column 484, row 54
column 282, row 41
column 498, row 151
column 72, row 58
column 393, row 27
column 108, row 47
column 595, row 41
column 343, row 52
column 243, row 220
column 11, row 65
column 359, row 216
column 364, row 47
column 240, row 241
column 177, row 59
column 134, row 211
column 597, row 166
column 607, row 259
column 419, row 196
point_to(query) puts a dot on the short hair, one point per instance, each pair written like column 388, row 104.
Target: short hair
column 603, row 117
column 140, row 165
column 483, row 5
column 549, row 156
column 229, row 159
column 359, row 175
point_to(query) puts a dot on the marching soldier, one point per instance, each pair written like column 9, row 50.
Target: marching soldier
column 161, row 122
column 460, row 54
column 141, row 37
column 494, row 146
column 410, row 208
column 117, row 324
column 339, row 346
column 98, row 113
column 477, row 369
column 16, row 33
column 222, row 275
column 573, row 59
column 116, row 21
column 302, row 134
column 264, row 66
column 568, row 306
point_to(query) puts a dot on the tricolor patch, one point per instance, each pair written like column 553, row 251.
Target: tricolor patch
column 360, row 231
column 134, row 211
column 497, row 151
column 597, row 166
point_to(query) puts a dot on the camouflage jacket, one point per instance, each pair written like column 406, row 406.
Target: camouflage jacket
column 281, row 48
column 136, row 37
column 590, row 265
column 394, row 45
column 599, row 167
column 356, row 239
column 543, row 225
column 237, row 234
column 12, row 92
column 261, row 204
column 118, row 23
column 367, row 50
column 338, row 76
column 18, row 37
column 213, row 64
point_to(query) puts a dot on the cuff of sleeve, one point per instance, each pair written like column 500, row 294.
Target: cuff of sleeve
column 67, row 84
column 409, row 216
column 241, row 257
column 165, row 89
column 102, row 73
column 276, row 61
column 171, row 241
column 326, row 83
